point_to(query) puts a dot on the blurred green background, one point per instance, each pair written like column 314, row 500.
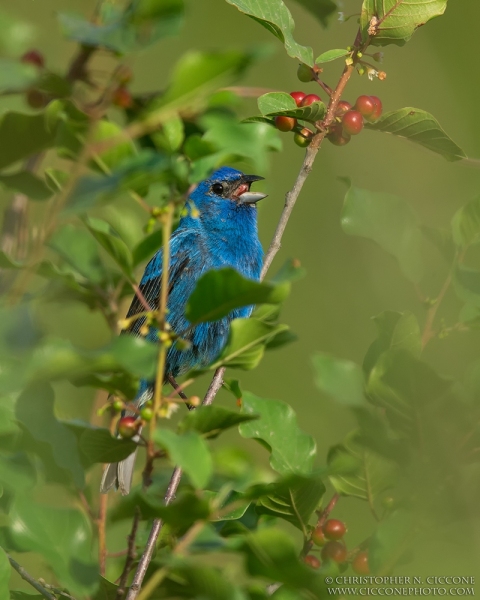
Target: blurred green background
column 349, row 280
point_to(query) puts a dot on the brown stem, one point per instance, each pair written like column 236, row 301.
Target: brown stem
column 428, row 332
column 131, row 555
column 102, row 539
column 322, row 517
column 29, row 579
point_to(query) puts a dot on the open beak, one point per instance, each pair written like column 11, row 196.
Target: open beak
column 243, row 192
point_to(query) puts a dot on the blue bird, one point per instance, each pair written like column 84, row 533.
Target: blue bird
column 219, row 229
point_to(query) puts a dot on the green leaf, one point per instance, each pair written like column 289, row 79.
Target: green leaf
column 27, row 183
column 112, row 243
column 330, row 55
column 276, row 18
column 219, row 292
column 395, row 21
column 246, row 343
column 391, row 540
column 420, row 127
column 171, row 136
column 16, row 76
column 190, row 579
column 280, row 103
column 343, row 380
column 147, row 247
column 34, row 410
column 123, row 149
column 466, row 224
column 272, row 554
column 135, row 173
column 390, row 222
column 99, row 446
column 5, row 572
column 22, row 135
column 196, row 74
column 294, row 500
column 292, row 450
column 372, row 475
column 124, row 31
column 212, row 420
column 405, row 387
column 321, row 9
column 62, row 536
column 79, row 250
column 395, row 330
column 442, row 239
column 466, row 282
column 190, row 452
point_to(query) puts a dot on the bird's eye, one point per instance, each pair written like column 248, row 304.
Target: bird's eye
column 217, row 188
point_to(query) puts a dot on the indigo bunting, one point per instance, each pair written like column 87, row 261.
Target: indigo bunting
column 219, row 229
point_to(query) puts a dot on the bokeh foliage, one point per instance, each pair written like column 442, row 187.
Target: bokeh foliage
column 400, row 441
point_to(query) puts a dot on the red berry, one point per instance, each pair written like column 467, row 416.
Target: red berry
column 122, row 97
column 334, row 529
column 337, row 136
column 298, row 97
column 303, row 138
column 318, row 537
column 285, row 123
column 360, row 564
column 128, row 426
column 309, row 99
column 335, row 551
column 34, row 57
column 352, row 122
column 304, row 73
column 378, row 109
column 312, row 561
column 365, row 106
column 342, row 107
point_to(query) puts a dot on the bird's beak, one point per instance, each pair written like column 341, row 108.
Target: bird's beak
column 248, row 197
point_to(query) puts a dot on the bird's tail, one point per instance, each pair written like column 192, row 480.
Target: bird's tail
column 120, row 474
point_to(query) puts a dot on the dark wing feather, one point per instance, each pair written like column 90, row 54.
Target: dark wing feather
column 150, row 288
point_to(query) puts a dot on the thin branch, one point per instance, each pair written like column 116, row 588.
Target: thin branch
column 29, row 579
column 102, row 537
column 428, row 332
column 131, row 555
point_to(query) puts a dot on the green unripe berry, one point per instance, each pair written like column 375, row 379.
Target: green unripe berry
column 146, row 413
column 304, row 73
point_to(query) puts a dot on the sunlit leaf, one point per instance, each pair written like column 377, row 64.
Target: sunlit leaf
column 62, row 536
column 212, row 420
column 330, row 55
column 190, row 452
column 420, row 127
column 294, row 500
column 218, row 292
column 276, row 18
column 280, row 103
column 395, row 21
column 292, row 450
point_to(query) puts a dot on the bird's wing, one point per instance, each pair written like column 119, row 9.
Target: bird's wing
column 180, row 257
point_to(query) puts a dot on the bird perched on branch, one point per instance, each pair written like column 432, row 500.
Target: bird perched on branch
column 218, row 230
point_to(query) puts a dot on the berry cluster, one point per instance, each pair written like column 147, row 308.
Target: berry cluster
column 303, row 135
column 349, row 120
column 329, row 537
